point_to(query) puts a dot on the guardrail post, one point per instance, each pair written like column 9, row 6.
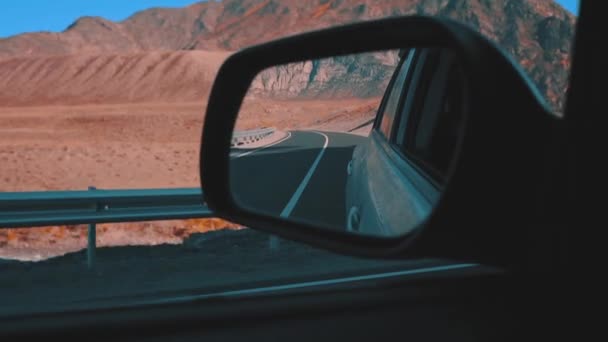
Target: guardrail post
column 92, row 239
column 274, row 243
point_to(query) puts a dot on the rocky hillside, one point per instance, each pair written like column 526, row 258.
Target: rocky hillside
column 108, row 78
column 537, row 33
column 358, row 75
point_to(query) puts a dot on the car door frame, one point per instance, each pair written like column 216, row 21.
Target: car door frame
column 407, row 195
column 422, row 181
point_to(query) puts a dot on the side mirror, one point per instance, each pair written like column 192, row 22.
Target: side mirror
column 401, row 137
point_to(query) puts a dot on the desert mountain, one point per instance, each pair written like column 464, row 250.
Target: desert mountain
column 538, row 33
column 357, row 75
column 108, row 78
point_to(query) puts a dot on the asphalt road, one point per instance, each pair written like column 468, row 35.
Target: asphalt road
column 301, row 177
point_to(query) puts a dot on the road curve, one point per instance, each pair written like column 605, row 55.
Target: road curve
column 303, row 177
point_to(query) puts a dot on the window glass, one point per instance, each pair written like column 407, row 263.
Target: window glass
column 389, row 109
column 112, row 94
column 414, row 91
column 435, row 127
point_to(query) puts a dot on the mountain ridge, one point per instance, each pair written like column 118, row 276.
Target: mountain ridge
column 203, row 24
column 538, row 34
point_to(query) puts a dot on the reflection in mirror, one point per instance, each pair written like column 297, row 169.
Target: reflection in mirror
column 359, row 143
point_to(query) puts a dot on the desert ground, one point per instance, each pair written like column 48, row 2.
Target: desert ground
column 107, row 146
column 132, row 146
column 138, row 146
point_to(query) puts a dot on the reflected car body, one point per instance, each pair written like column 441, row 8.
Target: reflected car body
column 383, row 190
column 395, row 176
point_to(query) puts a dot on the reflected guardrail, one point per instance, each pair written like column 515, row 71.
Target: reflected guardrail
column 250, row 136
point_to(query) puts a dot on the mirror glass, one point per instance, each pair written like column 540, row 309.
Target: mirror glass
column 359, row 143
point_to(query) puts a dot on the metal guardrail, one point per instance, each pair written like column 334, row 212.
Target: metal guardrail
column 246, row 137
column 36, row 209
column 52, row 208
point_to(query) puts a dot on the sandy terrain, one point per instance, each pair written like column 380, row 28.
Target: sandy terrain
column 138, row 145
column 178, row 76
column 131, row 146
column 111, row 146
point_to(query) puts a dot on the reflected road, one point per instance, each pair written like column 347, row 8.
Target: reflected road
column 302, row 177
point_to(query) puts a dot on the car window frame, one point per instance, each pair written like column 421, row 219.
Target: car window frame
column 407, row 57
column 414, row 118
column 419, row 59
column 410, row 97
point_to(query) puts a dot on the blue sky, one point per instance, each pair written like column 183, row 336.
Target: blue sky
column 571, row 5
column 55, row 15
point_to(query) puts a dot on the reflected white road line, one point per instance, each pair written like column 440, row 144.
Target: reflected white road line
column 263, row 147
column 296, row 195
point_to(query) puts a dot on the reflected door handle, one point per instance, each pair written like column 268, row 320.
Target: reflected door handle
column 353, row 220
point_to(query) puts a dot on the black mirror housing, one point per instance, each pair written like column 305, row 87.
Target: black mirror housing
column 499, row 160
